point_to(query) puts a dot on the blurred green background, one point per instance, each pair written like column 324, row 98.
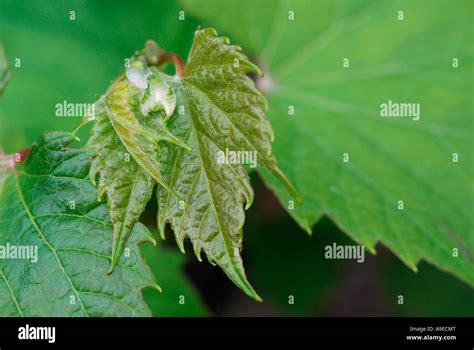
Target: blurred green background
column 76, row 60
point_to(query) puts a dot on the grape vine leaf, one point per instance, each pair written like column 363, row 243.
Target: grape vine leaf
column 127, row 186
column 126, row 160
column 51, row 206
column 333, row 65
column 221, row 109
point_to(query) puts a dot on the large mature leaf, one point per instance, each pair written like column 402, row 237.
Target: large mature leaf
column 4, row 69
column 220, row 109
column 52, row 206
column 337, row 111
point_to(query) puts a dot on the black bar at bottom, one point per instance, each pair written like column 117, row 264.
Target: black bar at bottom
column 449, row 333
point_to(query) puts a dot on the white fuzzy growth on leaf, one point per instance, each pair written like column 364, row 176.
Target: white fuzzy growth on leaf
column 137, row 75
column 159, row 97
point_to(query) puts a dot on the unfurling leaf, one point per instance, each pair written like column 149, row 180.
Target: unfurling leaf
column 141, row 142
column 221, row 111
column 64, row 272
column 127, row 158
column 211, row 111
column 127, row 185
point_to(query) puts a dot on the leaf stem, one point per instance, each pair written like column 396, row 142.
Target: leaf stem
column 15, row 158
column 24, row 154
column 8, row 163
column 173, row 58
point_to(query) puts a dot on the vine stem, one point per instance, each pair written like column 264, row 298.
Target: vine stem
column 173, row 58
column 24, row 154
column 10, row 160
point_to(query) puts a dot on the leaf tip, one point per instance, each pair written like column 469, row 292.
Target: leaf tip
column 180, row 245
column 114, row 260
column 253, row 294
column 151, row 239
column 248, row 204
column 162, row 234
column 211, row 31
column 157, row 287
column 111, row 269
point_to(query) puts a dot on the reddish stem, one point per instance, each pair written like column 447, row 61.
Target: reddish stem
column 12, row 158
column 173, row 58
column 24, row 154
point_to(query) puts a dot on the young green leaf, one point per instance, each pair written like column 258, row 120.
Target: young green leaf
column 213, row 108
column 138, row 140
column 127, row 153
column 49, row 211
column 127, row 186
column 219, row 109
column 406, row 183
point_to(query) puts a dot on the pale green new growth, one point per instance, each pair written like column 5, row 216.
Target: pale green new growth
column 127, row 186
column 127, row 158
column 212, row 107
column 222, row 109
